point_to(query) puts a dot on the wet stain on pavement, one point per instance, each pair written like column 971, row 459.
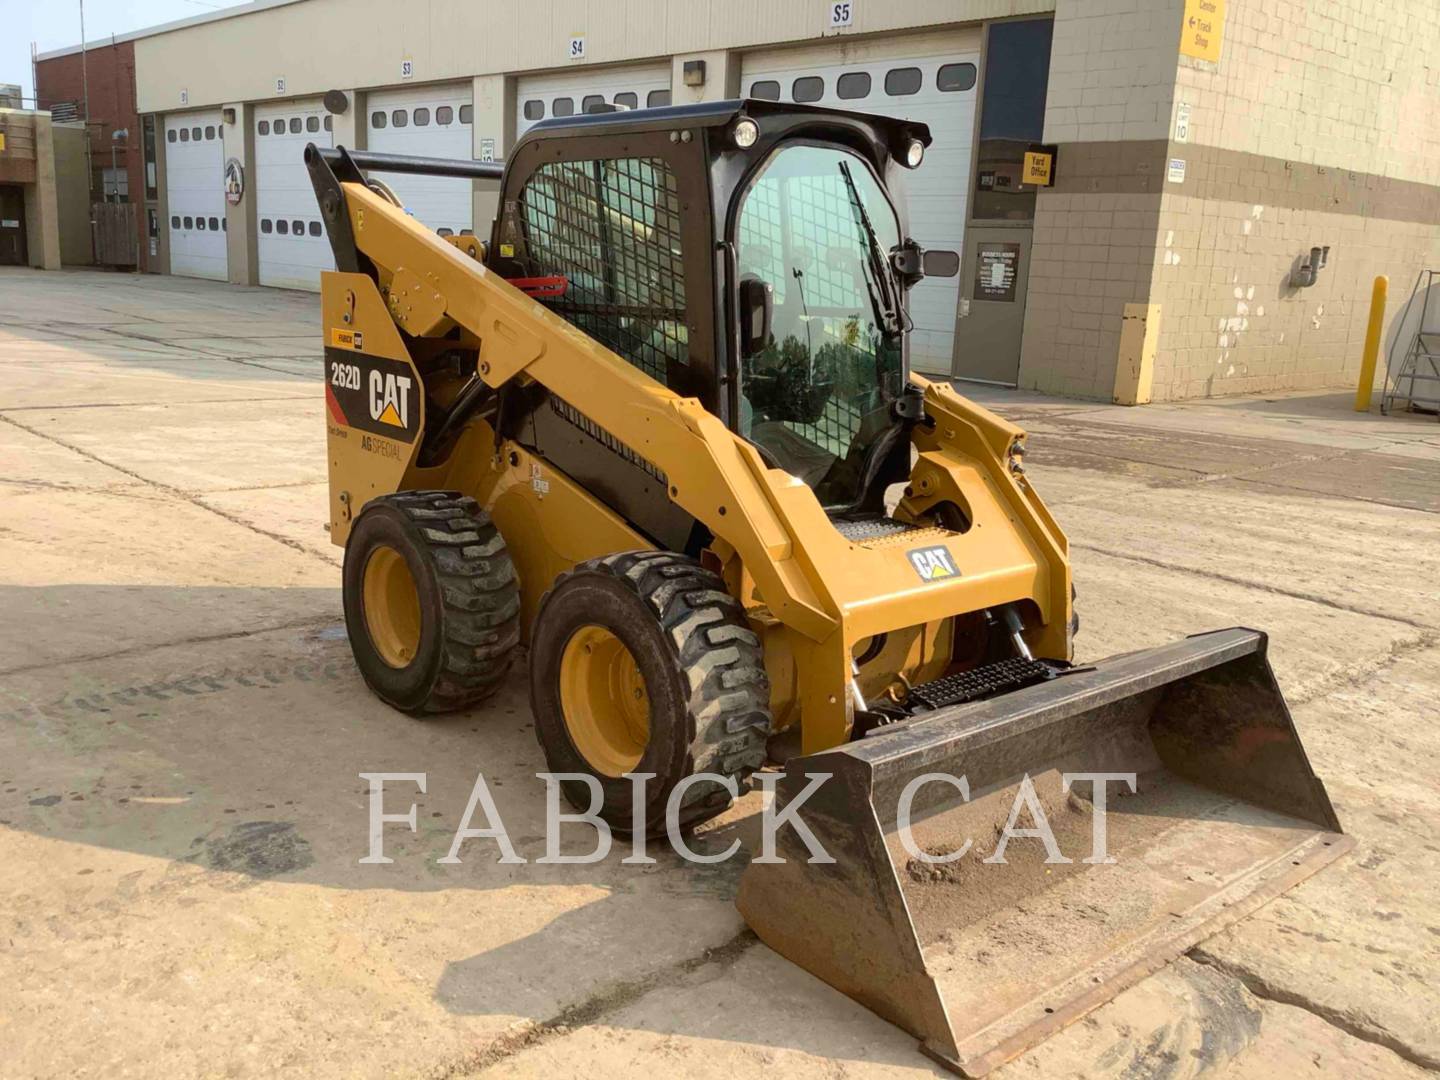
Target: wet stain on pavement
column 262, row 849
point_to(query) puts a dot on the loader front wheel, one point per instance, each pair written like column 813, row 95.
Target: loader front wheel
column 642, row 663
column 431, row 601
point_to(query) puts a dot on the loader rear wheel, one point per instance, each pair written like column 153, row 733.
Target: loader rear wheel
column 642, row 663
column 431, row 601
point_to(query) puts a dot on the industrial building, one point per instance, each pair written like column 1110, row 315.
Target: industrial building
column 1186, row 156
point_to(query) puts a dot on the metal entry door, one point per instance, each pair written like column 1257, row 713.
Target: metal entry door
column 12, row 227
column 991, row 316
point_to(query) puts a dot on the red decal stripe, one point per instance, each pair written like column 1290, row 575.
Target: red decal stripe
column 336, row 413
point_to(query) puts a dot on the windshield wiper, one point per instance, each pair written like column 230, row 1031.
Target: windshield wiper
column 878, row 282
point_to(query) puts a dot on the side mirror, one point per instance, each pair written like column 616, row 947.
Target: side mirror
column 757, row 304
column 941, row 263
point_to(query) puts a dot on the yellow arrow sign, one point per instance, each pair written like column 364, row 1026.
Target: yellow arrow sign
column 1202, row 29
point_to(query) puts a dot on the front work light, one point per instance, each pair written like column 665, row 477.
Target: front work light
column 745, row 132
column 914, row 154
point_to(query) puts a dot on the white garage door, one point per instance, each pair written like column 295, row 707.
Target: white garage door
column 195, row 191
column 427, row 121
column 565, row 93
column 930, row 81
column 292, row 245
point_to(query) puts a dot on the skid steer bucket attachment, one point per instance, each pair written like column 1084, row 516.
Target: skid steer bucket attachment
column 982, row 959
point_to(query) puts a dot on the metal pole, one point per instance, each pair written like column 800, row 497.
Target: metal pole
column 1372, row 343
column 85, row 93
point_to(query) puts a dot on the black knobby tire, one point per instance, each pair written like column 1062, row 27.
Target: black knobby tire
column 468, row 600
column 703, row 672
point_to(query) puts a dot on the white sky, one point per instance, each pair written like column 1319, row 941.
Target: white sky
column 55, row 24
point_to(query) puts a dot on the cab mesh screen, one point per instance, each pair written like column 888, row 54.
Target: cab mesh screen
column 611, row 227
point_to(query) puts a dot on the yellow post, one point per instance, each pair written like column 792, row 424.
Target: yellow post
column 1372, row 344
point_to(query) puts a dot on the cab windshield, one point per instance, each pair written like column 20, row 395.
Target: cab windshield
column 818, row 230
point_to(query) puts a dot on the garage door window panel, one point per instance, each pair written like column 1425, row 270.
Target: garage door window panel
column 444, row 116
column 421, row 117
column 377, row 120
column 902, row 82
column 807, row 89
column 766, row 89
column 853, row 85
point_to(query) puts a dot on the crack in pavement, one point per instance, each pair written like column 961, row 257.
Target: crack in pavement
column 604, row 1002
column 149, row 404
column 178, row 493
column 1364, row 1031
column 139, row 650
column 1366, row 671
column 1293, row 594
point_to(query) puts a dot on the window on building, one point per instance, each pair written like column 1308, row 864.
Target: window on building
column 590, row 101
column 852, row 85
column 209, row 131
column 467, row 112
column 902, row 82
column 184, row 134
column 657, row 99
column 147, row 126
column 810, row 88
column 315, row 229
column 295, row 125
column 195, row 134
column 115, row 183
column 1012, row 116
column 767, row 89
column 628, row 100
column 329, row 123
column 170, row 135
column 312, row 123
column 224, row 224
column 297, row 227
column 282, row 226
column 562, row 106
column 174, row 221
column 189, row 222
column 399, row 118
column 612, row 228
column 200, row 223
column 263, row 127
column 952, row 77
column 267, row 226
column 444, row 115
column 215, row 224
column 421, row 117
column 444, row 230
column 377, row 120
column 534, row 109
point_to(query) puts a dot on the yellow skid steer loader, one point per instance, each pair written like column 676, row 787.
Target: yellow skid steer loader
column 660, row 427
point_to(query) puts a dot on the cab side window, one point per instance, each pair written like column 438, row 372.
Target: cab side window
column 611, row 227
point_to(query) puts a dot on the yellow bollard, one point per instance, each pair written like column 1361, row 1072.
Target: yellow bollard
column 1372, row 343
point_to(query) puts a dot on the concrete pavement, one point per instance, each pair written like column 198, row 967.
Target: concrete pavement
column 182, row 729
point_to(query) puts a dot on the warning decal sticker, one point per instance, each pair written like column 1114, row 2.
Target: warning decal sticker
column 373, row 394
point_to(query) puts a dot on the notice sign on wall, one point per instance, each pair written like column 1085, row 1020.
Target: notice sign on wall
column 1037, row 168
column 1202, row 29
column 995, row 267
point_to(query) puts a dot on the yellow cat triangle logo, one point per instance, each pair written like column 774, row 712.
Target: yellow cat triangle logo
column 390, row 416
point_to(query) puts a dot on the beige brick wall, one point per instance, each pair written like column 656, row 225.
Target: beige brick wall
column 1232, row 323
column 1112, row 70
column 1320, row 125
column 1353, row 83
column 1328, row 97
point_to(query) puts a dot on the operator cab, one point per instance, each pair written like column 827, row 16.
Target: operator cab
column 752, row 254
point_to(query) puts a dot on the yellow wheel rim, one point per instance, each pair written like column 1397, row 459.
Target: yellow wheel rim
column 604, row 701
column 392, row 607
